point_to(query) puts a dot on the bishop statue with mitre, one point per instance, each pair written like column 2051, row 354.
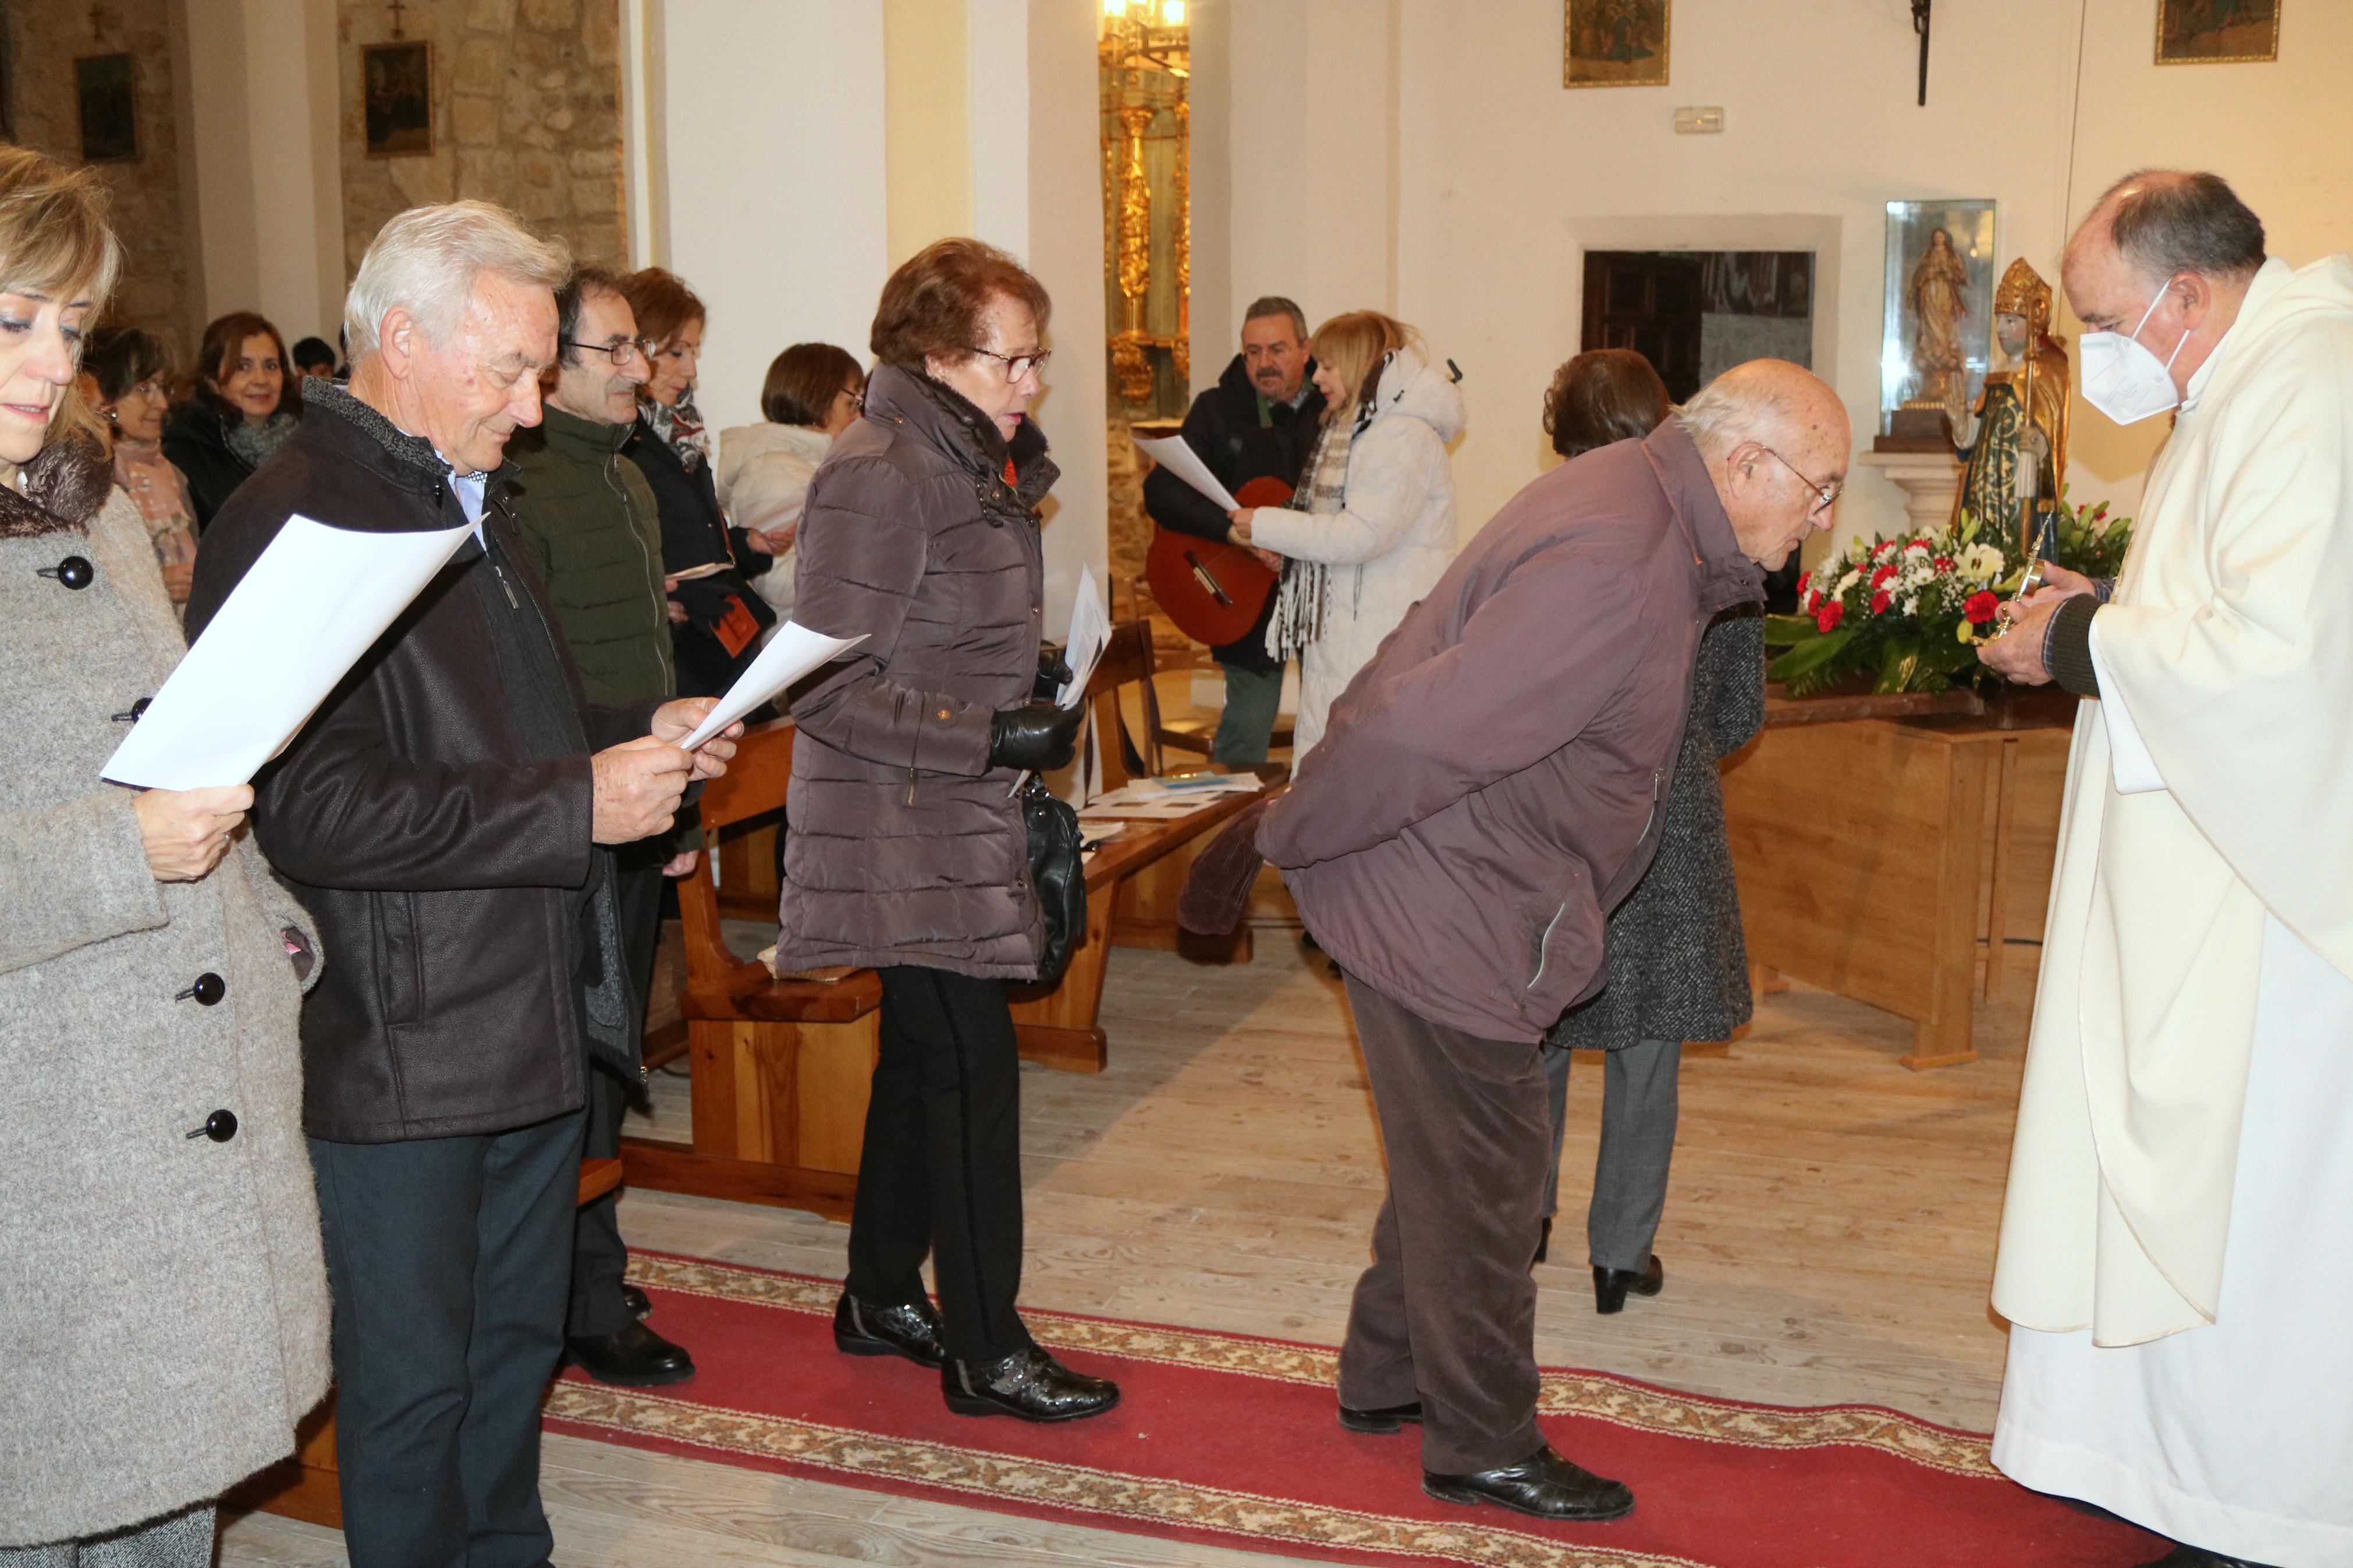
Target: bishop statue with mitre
column 2176, row 1243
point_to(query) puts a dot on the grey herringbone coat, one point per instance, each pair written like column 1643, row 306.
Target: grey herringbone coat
column 163, row 1303
column 1678, row 967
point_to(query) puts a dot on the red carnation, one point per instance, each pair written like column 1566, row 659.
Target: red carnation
column 1983, row 606
column 1827, row 618
column 1943, row 565
column 1882, row 575
column 1880, row 601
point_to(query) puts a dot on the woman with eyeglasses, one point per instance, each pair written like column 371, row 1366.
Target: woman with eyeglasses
column 129, row 368
column 909, row 852
column 716, row 619
column 1678, row 969
column 246, row 404
column 814, row 391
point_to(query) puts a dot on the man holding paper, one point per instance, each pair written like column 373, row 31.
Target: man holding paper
column 2172, row 1262
column 440, row 817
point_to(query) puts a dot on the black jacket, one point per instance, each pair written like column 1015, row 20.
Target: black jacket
column 196, row 441
column 434, row 814
column 695, row 533
column 1225, row 427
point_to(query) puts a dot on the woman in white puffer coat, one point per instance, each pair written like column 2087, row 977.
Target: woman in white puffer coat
column 814, row 391
column 1372, row 527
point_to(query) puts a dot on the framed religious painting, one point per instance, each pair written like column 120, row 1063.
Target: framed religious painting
column 1937, row 332
column 396, row 93
column 2217, row 32
column 1615, row 43
column 109, row 107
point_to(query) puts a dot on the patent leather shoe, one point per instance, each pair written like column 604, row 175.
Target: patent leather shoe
column 1030, row 1385
column 2198, row 1557
column 912, row 1330
column 1381, row 1417
column 1610, row 1284
column 1544, row 1242
column 1544, row 1484
column 640, row 1305
column 631, row 1356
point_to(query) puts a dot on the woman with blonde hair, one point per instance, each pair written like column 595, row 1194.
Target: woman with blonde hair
column 162, row 1293
column 1372, row 526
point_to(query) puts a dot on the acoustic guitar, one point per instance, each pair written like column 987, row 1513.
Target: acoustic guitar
column 1213, row 592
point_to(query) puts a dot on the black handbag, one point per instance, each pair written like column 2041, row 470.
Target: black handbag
column 1057, row 876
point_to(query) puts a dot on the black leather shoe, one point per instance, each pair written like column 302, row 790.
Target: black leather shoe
column 1028, row 1383
column 912, row 1330
column 1610, row 1284
column 2198, row 1557
column 640, row 1305
column 1380, row 1418
column 631, row 1356
column 1543, row 1484
column 1544, row 1242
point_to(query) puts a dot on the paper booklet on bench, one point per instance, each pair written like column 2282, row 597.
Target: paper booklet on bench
column 315, row 601
column 791, row 653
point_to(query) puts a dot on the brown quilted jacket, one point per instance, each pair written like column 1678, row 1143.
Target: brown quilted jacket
column 906, row 847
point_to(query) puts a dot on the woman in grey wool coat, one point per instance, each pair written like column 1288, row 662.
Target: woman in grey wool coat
column 163, row 1302
column 1678, row 970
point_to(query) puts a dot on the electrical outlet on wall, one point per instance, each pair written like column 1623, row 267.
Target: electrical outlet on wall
column 1700, row 122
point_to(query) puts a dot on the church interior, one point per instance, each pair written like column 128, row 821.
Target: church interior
column 1878, row 190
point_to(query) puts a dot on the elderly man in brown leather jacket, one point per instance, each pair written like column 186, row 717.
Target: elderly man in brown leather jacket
column 1488, row 789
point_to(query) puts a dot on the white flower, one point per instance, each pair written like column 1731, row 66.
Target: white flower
column 1847, row 582
column 1912, row 604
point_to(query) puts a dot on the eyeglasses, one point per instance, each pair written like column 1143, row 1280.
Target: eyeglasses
column 640, row 349
column 1825, row 495
column 1018, row 365
column 857, row 398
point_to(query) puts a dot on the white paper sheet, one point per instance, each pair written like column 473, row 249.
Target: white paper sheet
column 1171, row 453
column 792, row 652
column 314, row 602
column 1083, row 643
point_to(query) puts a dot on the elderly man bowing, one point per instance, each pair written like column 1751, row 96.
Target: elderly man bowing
column 440, row 817
column 2174, row 1260
column 1488, row 789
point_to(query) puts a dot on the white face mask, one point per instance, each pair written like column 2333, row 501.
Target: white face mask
column 2122, row 379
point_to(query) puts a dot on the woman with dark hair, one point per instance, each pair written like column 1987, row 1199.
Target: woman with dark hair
column 716, row 617
column 246, row 404
column 130, row 368
column 909, row 853
column 814, row 393
column 1677, row 968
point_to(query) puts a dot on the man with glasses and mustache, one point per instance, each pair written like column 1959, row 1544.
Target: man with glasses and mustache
column 589, row 525
column 1489, row 788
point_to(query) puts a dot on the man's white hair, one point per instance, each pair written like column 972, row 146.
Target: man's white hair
column 1734, row 408
column 426, row 262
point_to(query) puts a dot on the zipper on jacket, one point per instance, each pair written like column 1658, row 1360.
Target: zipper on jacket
column 1654, row 816
column 1544, row 941
column 505, row 586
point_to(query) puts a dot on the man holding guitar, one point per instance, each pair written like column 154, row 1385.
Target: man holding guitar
column 1252, row 430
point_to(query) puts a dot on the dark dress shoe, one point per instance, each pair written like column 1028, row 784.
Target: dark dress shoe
column 631, row 1356
column 640, row 1305
column 1610, row 1284
column 2198, row 1557
column 1028, row 1383
column 1381, row 1419
column 1544, row 1242
column 912, row 1330
column 1544, row 1484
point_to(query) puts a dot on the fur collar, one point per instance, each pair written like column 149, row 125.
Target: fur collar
column 64, row 488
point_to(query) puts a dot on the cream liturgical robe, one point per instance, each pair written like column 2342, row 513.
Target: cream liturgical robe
column 2202, row 928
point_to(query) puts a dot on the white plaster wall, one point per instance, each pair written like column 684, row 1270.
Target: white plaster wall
column 775, row 205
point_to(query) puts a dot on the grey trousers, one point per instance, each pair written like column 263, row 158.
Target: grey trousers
column 1447, row 1312
column 1639, row 1107
column 1246, row 726
column 183, row 1539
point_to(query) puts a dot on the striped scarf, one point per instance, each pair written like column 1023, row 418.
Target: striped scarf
column 1323, row 489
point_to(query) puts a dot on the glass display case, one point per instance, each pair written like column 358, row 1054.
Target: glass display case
column 1936, row 333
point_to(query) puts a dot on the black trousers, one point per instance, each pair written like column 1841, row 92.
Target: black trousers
column 446, row 1261
column 599, row 1258
column 941, row 1171
column 1447, row 1312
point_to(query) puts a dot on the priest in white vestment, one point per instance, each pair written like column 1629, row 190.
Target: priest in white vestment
column 2177, row 1242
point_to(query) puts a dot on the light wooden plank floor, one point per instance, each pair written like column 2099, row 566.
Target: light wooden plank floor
column 1829, row 1238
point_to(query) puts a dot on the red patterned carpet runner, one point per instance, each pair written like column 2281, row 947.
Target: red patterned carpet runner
column 1233, row 1441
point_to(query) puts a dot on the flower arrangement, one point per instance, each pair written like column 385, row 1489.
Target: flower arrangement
column 2090, row 541
column 1909, row 611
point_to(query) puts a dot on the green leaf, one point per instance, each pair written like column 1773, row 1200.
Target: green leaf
column 1897, row 673
column 1810, row 655
column 1782, row 631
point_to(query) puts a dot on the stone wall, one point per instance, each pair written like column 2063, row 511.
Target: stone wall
column 526, row 113
column 44, row 37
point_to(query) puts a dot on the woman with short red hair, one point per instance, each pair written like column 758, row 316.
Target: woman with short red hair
column 909, row 852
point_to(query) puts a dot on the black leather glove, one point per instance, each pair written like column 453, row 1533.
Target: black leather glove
column 1037, row 736
column 1053, row 674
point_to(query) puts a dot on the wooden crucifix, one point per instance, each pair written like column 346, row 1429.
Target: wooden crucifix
column 1920, row 26
column 400, row 6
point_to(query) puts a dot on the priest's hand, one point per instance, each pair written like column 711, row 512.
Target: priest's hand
column 636, row 789
column 2058, row 583
column 674, row 722
column 2017, row 655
